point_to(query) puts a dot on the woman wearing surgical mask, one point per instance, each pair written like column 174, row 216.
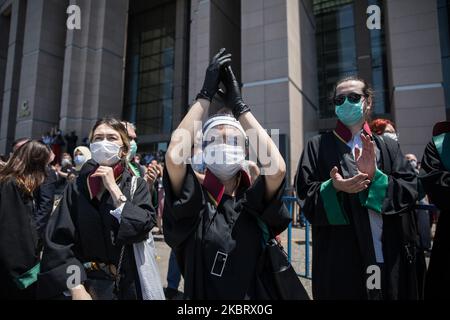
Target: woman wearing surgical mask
column 65, row 172
column 135, row 167
column 358, row 193
column 98, row 220
column 385, row 128
column 213, row 226
column 80, row 156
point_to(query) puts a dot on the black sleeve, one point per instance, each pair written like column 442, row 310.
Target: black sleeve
column 44, row 202
column 58, row 259
column 154, row 193
column 182, row 214
column 18, row 240
column 138, row 216
column 401, row 193
column 308, row 184
column 435, row 178
column 274, row 213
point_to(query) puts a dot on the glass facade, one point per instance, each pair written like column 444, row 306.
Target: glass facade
column 336, row 47
column 150, row 69
column 379, row 80
column 444, row 33
column 337, row 42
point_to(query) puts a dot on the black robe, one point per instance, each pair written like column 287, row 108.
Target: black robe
column 435, row 178
column 342, row 243
column 203, row 226
column 83, row 230
column 45, row 198
column 19, row 252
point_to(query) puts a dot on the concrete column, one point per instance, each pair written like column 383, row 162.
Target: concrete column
column 362, row 37
column 42, row 67
column 199, row 55
column 225, row 29
column 94, row 65
column 303, row 91
column 278, row 43
column 214, row 24
column 181, row 68
column 416, row 71
column 10, row 89
column 5, row 22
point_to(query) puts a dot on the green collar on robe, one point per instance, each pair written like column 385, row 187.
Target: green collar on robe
column 372, row 198
column 442, row 143
column 28, row 278
column 135, row 169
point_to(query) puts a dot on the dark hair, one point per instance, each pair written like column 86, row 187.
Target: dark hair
column 27, row 165
column 117, row 126
column 367, row 90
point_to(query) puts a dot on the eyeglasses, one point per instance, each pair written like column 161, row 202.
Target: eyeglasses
column 352, row 97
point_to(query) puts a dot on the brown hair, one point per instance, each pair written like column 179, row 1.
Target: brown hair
column 117, row 126
column 27, row 166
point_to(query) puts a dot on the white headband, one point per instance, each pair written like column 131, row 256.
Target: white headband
column 222, row 120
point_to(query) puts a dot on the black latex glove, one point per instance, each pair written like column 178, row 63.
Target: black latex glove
column 212, row 77
column 233, row 97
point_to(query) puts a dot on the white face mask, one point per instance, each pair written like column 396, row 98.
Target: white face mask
column 66, row 162
column 224, row 160
column 105, row 153
column 391, row 135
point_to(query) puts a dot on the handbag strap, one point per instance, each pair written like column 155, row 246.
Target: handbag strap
column 122, row 250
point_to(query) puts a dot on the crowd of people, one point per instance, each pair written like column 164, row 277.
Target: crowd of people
column 90, row 211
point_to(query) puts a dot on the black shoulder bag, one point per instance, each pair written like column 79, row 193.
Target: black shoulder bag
column 276, row 276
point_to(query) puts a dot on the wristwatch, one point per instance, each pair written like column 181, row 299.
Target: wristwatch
column 123, row 199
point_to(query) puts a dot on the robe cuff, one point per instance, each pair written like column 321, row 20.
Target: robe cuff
column 117, row 213
column 373, row 198
column 335, row 213
column 28, row 278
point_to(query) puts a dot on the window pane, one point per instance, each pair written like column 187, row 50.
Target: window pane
column 149, row 83
column 336, row 47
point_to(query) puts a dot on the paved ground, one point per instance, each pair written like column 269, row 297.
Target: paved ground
column 163, row 254
column 298, row 255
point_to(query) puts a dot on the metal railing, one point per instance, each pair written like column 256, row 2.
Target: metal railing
column 292, row 203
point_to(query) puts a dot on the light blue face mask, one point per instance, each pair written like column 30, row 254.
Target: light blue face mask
column 79, row 160
column 349, row 113
column 133, row 150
